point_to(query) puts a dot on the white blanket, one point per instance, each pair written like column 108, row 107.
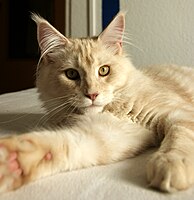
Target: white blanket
column 120, row 181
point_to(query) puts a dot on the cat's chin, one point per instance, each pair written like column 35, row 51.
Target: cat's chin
column 93, row 109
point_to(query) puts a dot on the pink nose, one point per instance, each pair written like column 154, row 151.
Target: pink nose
column 92, row 96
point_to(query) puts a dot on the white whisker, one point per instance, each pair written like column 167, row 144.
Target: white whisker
column 57, row 108
column 17, row 117
column 16, row 99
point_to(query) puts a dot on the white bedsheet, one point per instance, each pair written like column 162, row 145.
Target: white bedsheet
column 120, row 181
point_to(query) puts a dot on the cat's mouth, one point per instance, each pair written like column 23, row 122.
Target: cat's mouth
column 94, row 108
column 92, row 105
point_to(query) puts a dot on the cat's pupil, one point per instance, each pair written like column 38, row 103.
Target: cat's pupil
column 72, row 74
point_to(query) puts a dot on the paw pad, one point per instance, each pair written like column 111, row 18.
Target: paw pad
column 48, row 156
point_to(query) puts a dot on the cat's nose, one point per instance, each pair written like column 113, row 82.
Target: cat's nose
column 92, row 96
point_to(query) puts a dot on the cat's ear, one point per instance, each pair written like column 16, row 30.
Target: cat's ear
column 48, row 37
column 112, row 36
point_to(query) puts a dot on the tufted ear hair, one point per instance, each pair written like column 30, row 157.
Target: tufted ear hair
column 112, row 36
column 48, row 37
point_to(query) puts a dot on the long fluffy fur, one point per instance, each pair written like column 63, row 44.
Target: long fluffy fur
column 133, row 110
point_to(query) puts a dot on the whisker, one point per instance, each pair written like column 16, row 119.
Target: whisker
column 20, row 116
column 60, row 97
column 131, row 44
column 51, row 115
column 128, row 37
column 15, row 99
column 53, row 112
column 74, row 106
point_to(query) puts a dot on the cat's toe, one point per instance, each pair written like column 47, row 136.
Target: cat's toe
column 170, row 172
column 4, row 153
column 10, row 171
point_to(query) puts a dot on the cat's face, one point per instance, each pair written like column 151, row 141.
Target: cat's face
column 81, row 74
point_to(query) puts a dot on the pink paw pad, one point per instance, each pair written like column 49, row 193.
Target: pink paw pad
column 48, row 156
column 12, row 156
column 13, row 163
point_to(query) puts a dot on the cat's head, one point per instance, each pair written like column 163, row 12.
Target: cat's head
column 81, row 75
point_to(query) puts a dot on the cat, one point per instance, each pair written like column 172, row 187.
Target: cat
column 106, row 110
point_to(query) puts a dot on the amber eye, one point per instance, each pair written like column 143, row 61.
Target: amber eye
column 104, row 70
column 72, row 74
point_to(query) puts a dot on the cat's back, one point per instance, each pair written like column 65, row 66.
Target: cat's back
column 177, row 79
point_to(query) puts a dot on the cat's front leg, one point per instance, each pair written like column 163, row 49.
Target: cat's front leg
column 171, row 168
column 96, row 140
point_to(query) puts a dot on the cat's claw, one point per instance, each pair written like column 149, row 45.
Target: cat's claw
column 170, row 172
column 10, row 171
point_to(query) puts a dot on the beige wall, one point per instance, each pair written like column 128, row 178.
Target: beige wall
column 162, row 29
column 83, row 18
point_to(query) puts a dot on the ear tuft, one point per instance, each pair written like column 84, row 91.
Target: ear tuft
column 113, row 34
column 48, row 37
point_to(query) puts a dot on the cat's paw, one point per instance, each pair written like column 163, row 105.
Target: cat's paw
column 170, row 171
column 21, row 158
column 10, row 170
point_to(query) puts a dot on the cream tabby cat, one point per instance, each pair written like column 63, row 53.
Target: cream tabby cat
column 107, row 111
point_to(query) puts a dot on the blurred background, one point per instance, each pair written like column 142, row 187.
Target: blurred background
column 18, row 45
column 158, row 32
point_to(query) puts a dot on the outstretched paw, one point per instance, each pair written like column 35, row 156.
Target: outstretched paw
column 170, row 171
column 22, row 159
column 10, row 170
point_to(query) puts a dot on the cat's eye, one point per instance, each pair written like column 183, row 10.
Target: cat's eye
column 104, row 70
column 72, row 74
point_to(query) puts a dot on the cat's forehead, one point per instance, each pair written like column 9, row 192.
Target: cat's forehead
column 81, row 42
column 85, row 46
column 85, row 50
